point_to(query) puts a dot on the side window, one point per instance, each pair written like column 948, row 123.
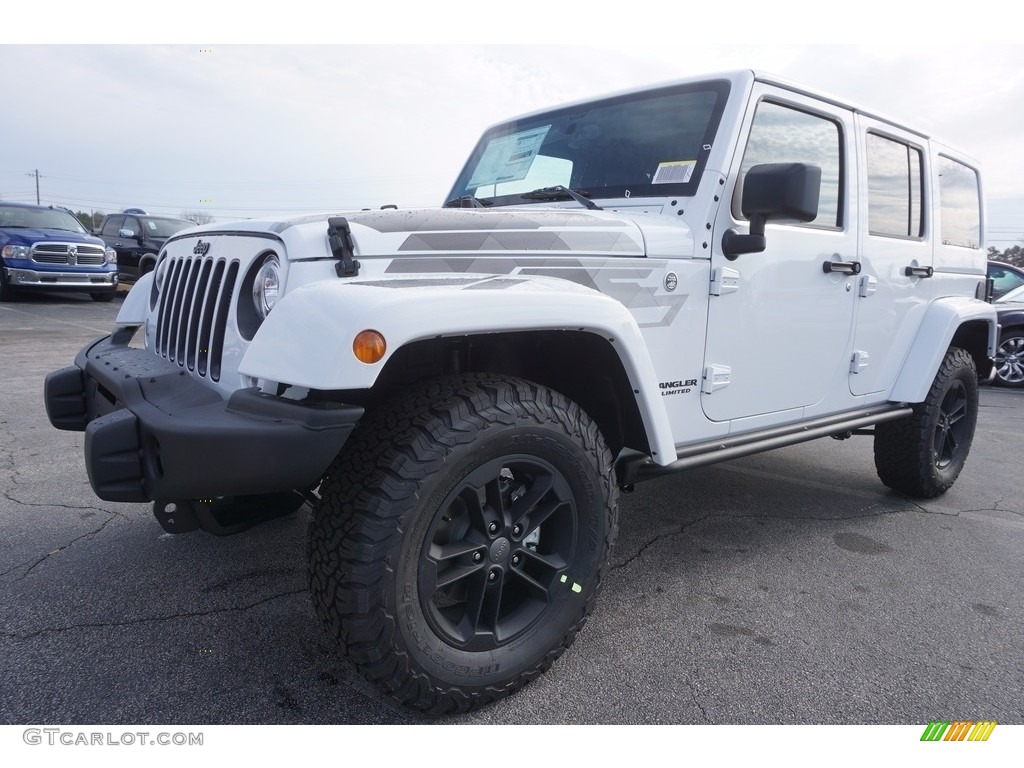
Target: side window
column 785, row 135
column 1003, row 279
column 130, row 222
column 960, row 204
column 111, row 225
column 894, row 188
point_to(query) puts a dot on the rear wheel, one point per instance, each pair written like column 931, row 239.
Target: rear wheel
column 1009, row 360
column 461, row 539
column 922, row 455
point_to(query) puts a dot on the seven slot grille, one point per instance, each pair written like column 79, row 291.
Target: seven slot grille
column 57, row 253
column 194, row 313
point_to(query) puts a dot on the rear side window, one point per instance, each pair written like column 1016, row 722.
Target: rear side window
column 782, row 134
column 960, row 204
column 894, row 188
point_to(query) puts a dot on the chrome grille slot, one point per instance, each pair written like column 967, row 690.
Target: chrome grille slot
column 207, row 323
column 57, row 253
column 194, row 318
column 221, row 321
column 193, row 315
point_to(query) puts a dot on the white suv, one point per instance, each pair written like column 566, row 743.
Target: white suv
column 615, row 289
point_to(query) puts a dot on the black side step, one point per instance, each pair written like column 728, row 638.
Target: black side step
column 632, row 468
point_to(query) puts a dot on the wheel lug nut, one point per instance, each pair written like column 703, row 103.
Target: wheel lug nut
column 492, row 528
column 517, row 529
column 492, row 576
column 516, row 559
column 477, row 557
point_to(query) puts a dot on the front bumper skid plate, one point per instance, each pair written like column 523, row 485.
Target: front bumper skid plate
column 154, row 432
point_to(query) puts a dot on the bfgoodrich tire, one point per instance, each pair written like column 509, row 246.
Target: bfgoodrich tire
column 922, row 455
column 461, row 539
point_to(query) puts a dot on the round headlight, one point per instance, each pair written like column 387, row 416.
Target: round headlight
column 161, row 274
column 158, row 280
column 267, row 288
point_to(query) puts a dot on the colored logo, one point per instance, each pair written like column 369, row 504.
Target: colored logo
column 958, row 730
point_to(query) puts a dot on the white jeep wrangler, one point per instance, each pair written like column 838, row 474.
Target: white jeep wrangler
column 616, row 289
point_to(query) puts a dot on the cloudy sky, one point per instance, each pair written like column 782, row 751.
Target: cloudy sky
column 239, row 129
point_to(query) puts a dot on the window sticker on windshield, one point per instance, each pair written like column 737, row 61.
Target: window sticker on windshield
column 151, row 225
column 508, row 158
column 674, row 172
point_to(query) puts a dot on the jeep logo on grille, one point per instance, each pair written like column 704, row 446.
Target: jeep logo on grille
column 201, row 248
column 72, row 254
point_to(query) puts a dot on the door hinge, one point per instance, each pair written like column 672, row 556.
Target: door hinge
column 868, row 286
column 715, row 377
column 724, row 280
column 859, row 361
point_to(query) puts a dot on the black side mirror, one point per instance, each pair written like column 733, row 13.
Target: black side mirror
column 774, row 191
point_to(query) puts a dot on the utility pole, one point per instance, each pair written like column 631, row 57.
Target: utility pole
column 36, row 174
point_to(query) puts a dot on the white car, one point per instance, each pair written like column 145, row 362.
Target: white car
column 615, row 289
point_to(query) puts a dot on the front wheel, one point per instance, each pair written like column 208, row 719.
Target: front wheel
column 922, row 455
column 6, row 292
column 461, row 539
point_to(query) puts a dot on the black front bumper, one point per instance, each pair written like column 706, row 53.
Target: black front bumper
column 152, row 432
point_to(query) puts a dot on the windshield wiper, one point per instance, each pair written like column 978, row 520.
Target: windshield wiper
column 466, row 201
column 558, row 192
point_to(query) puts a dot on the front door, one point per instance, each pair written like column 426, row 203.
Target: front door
column 779, row 328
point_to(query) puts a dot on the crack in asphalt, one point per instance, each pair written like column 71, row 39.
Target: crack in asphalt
column 664, row 535
column 148, row 620
column 48, row 555
column 56, row 505
column 682, row 528
column 693, row 692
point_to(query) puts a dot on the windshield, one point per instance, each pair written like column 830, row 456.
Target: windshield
column 16, row 217
column 1017, row 294
column 164, row 227
column 641, row 145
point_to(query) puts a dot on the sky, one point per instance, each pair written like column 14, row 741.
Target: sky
column 236, row 127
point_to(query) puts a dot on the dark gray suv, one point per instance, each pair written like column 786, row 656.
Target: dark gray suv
column 138, row 239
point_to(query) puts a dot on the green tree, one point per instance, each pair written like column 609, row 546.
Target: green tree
column 89, row 220
column 1013, row 255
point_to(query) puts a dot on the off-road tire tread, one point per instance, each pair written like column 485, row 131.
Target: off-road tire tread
column 356, row 527
column 903, row 449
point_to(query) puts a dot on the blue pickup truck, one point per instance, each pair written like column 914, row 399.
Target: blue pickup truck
column 46, row 248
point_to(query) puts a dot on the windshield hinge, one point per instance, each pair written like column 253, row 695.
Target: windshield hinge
column 339, row 237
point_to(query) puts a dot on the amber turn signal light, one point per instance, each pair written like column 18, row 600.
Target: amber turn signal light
column 369, row 347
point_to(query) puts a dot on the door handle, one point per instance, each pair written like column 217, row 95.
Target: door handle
column 918, row 271
column 844, row 267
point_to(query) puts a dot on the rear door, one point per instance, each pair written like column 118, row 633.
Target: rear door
column 894, row 286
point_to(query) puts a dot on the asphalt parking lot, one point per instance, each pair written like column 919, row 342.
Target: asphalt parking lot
column 789, row 587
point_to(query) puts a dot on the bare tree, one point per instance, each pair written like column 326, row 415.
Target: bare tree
column 197, row 217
